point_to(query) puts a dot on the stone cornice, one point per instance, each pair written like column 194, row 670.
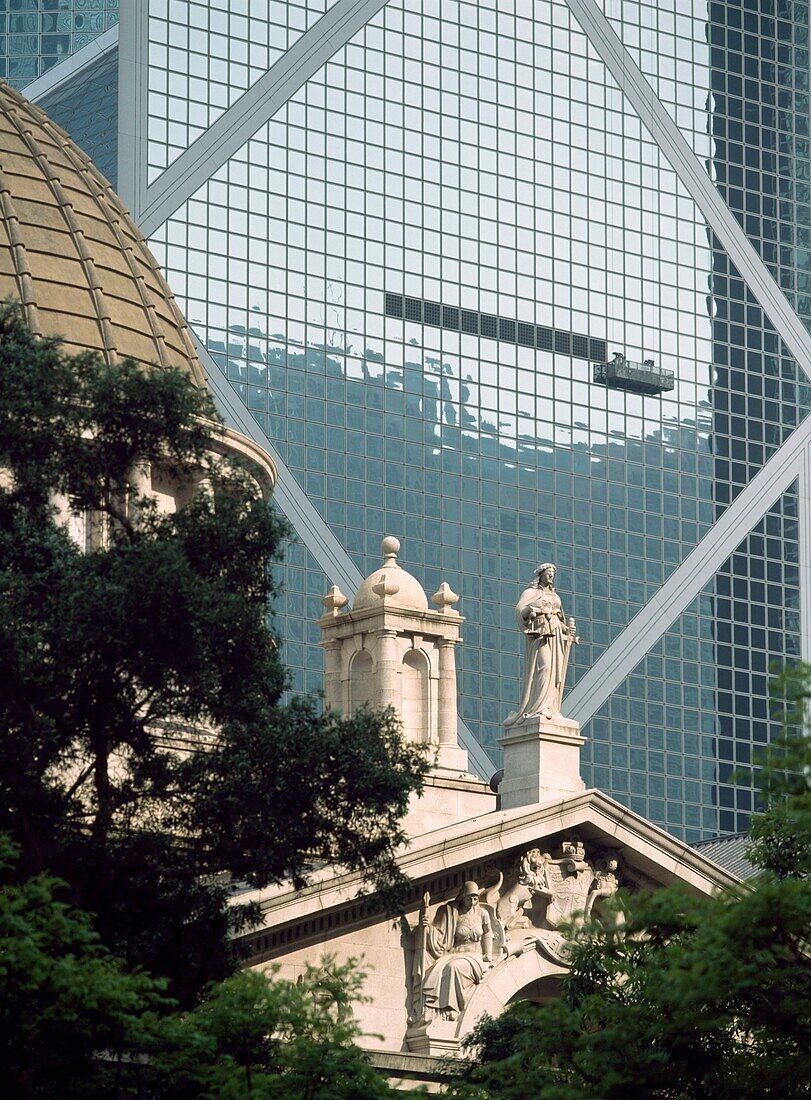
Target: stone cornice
column 645, row 847
column 433, row 624
column 229, row 441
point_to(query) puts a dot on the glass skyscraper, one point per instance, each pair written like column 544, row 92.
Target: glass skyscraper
column 413, row 236
column 35, row 35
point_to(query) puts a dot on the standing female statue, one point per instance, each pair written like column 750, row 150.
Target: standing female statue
column 548, row 644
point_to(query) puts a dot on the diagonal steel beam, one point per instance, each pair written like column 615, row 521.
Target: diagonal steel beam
column 804, row 534
column 664, row 131
column 253, row 109
column 133, row 104
column 696, row 571
column 72, row 66
column 281, row 82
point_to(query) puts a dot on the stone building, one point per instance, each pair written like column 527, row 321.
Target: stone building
column 412, row 238
column 495, row 870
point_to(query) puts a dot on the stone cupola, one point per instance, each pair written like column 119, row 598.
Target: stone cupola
column 392, row 649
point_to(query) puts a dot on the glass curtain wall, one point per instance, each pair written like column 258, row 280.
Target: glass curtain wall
column 35, row 35
column 408, row 275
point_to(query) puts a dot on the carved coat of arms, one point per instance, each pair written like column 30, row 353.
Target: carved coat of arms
column 569, row 880
column 547, row 891
column 471, row 934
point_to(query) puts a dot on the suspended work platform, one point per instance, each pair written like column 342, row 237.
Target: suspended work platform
column 622, row 374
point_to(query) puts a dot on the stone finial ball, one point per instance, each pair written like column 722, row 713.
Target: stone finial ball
column 390, row 546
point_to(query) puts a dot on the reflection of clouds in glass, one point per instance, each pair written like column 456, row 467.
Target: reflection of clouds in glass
column 442, row 401
column 486, row 161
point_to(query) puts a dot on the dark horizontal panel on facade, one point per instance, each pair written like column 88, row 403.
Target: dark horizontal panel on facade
column 473, row 323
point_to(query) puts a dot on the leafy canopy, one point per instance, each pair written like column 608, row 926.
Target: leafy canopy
column 781, row 837
column 75, row 1022
column 63, row 996
column 153, row 633
column 688, row 997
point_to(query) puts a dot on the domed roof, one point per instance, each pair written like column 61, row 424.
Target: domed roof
column 391, row 581
column 71, row 254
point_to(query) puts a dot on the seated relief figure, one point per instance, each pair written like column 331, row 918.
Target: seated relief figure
column 452, row 952
column 471, row 934
column 549, row 640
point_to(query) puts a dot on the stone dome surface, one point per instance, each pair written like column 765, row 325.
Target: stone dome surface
column 392, row 581
column 70, row 253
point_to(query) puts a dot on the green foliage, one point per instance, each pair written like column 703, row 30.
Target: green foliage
column 270, row 1038
column 161, row 625
column 781, row 837
column 63, row 996
column 74, row 1022
column 687, row 996
column 74, row 426
column 343, row 800
column 695, row 997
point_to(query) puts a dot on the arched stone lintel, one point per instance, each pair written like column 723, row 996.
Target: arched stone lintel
column 504, row 984
column 410, row 647
column 350, row 648
column 499, row 987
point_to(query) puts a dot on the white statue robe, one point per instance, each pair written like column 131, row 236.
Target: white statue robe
column 546, row 639
column 454, row 941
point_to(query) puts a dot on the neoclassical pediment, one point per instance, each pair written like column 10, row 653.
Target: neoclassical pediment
column 535, row 867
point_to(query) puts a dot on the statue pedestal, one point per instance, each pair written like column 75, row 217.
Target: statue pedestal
column 541, row 761
column 433, row 1037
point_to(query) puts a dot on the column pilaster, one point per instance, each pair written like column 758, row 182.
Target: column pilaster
column 332, row 674
column 388, row 667
column 447, row 714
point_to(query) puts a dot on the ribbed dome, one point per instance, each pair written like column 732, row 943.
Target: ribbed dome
column 392, row 583
column 71, row 254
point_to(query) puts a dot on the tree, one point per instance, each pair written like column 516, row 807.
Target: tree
column 687, row 996
column 160, row 626
column 75, row 1022
column 271, row 1039
column 63, row 996
column 781, row 837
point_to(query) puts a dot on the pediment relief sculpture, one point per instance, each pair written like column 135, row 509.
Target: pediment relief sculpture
column 452, row 953
column 469, row 936
column 547, row 891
